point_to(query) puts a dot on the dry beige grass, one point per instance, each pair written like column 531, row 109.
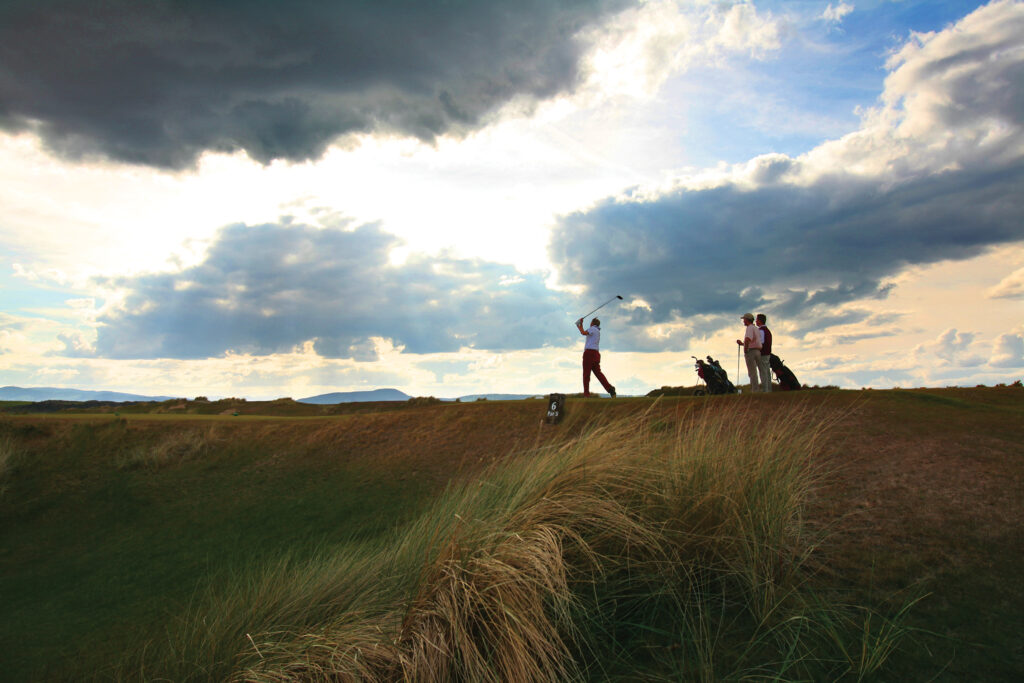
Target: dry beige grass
column 505, row 569
column 169, row 448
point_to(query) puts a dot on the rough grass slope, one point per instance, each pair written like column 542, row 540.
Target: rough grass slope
column 688, row 532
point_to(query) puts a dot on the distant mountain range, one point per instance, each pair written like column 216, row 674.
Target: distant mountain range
column 59, row 394
column 357, row 396
column 497, row 397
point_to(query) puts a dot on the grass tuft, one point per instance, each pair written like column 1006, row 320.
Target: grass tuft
column 171, row 449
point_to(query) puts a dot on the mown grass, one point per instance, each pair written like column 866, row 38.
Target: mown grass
column 634, row 550
column 932, row 501
column 9, row 404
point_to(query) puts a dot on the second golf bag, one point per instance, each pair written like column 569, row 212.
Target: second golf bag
column 715, row 376
column 787, row 380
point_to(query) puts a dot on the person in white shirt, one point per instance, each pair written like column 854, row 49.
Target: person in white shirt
column 751, row 344
column 592, row 356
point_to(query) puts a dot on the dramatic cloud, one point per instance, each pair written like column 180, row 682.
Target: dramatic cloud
column 726, row 248
column 160, row 82
column 935, row 173
column 271, row 288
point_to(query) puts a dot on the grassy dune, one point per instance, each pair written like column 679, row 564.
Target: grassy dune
column 789, row 537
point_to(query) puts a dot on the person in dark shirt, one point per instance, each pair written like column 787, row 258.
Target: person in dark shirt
column 764, row 363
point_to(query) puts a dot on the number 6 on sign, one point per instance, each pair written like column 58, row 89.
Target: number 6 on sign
column 556, row 407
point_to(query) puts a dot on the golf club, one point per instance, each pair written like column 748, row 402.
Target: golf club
column 602, row 306
column 737, row 364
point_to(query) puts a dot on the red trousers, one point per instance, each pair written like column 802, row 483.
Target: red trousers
column 592, row 363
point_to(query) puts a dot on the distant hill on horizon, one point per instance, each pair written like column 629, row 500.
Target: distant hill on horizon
column 497, row 397
column 357, row 396
column 396, row 395
column 38, row 394
column 35, row 394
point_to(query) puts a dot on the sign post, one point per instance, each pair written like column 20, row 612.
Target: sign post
column 556, row 408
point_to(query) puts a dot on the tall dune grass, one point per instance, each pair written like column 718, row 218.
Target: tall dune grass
column 673, row 546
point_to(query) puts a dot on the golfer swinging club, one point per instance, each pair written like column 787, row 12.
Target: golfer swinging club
column 592, row 356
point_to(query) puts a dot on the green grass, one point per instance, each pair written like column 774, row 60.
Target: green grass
column 9, row 404
column 10, row 460
column 101, row 539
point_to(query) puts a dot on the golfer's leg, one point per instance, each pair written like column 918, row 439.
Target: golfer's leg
column 604, row 380
column 586, row 374
column 752, row 369
column 766, row 374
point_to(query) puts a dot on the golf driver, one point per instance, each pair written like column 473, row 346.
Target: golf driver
column 602, row 306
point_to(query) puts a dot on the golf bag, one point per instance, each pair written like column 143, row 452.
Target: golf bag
column 787, row 380
column 714, row 376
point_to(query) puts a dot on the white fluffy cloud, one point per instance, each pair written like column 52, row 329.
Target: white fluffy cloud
column 636, row 51
column 836, row 13
column 1008, row 351
column 953, row 347
column 1011, row 287
column 953, row 100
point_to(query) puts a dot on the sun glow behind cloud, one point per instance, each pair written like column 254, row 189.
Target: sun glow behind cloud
column 131, row 241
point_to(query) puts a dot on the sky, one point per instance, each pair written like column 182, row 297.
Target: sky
column 267, row 199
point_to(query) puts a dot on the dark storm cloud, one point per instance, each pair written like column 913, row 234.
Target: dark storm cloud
column 792, row 250
column 160, row 82
column 270, row 288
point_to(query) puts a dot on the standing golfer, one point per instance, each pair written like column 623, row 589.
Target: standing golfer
column 592, row 356
column 764, row 365
column 751, row 344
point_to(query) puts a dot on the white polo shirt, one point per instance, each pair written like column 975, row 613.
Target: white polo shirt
column 593, row 337
column 754, row 335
